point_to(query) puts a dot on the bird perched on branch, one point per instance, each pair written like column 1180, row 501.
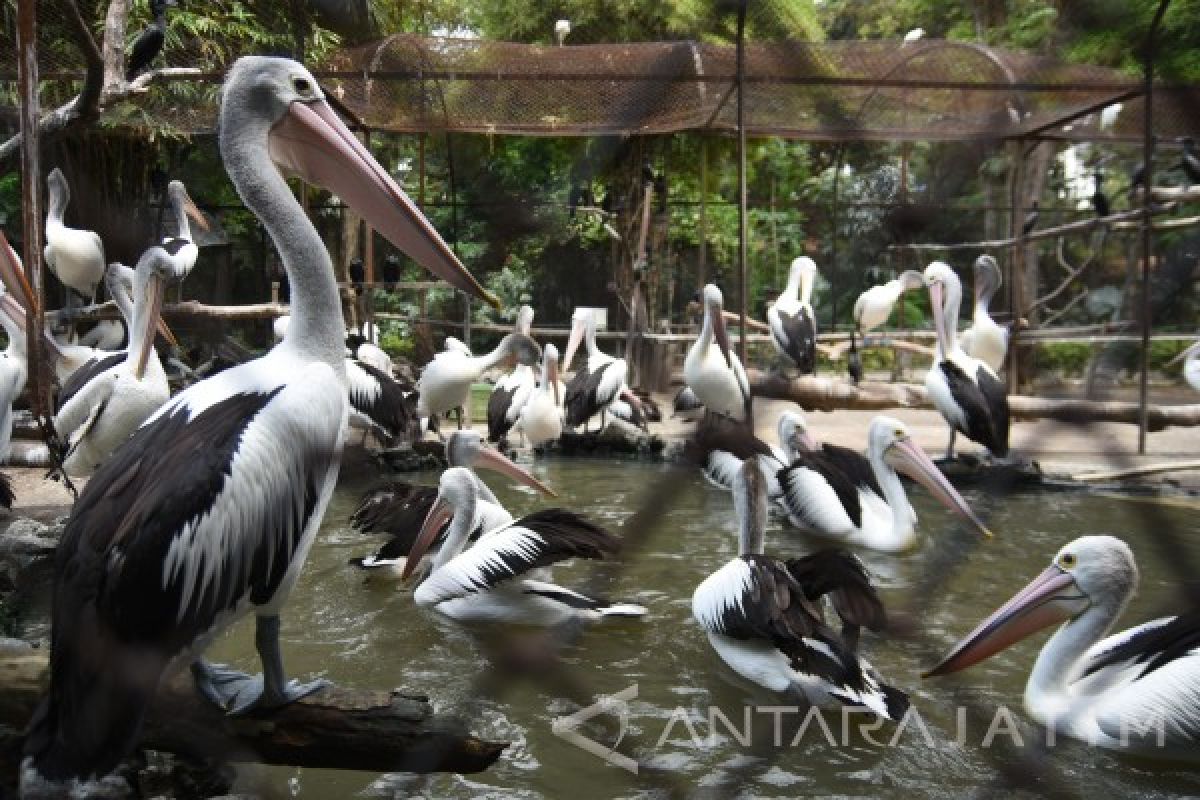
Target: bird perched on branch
column 1099, row 198
column 1031, row 219
column 149, row 42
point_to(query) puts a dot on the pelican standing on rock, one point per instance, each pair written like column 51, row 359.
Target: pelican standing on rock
column 208, row 511
column 1137, row 691
column 445, row 382
column 488, row 581
column 763, row 617
column 541, row 418
column 836, row 492
column 598, row 383
column 513, row 390
column 985, row 340
column 791, row 319
column 182, row 247
column 711, row 368
column 965, row 390
column 75, row 256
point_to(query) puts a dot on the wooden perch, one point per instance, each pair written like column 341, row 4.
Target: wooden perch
column 825, row 394
column 1176, row 193
column 191, row 308
column 334, row 729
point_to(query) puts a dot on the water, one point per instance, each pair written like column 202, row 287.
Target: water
column 374, row 637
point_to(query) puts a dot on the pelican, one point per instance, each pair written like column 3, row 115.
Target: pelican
column 1191, row 364
column 367, row 353
column 835, row 492
column 791, row 319
column 181, row 247
column 75, row 256
column 445, row 382
column 985, row 340
column 598, row 383
column 715, row 373
column 1137, row 691
column 398, row 509
column 14, row 369
column 965, row 390
column 541, row 417
column 721, row 466
column 763, row 619
column 208, row 511
column 875, row 305
column 379, row 403
column 513, row 390
column 489, row 580
column 106, row 401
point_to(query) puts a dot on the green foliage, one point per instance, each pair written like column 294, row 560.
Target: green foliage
column 1067, row 359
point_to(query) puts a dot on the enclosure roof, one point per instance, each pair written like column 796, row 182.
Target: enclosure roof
column 854, row 90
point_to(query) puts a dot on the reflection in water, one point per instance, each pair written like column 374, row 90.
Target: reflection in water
column 692, row 725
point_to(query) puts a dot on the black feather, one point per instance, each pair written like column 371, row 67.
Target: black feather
column 395, row 508
column 1155, row 647
column 984, row 404
column 7, row 496
column 799, row 341
column 582, row 401
column 497, row 413
column 842, row 485
column 84, row 375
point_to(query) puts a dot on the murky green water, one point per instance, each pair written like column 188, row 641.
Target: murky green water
column 373, row 637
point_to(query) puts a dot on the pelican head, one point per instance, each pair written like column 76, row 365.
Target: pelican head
column 987, row 278
column 550, row 371
column 524, row 320
column 60, row 192
column 456, row 492
column 794, row 435
column 889, row 438
column 911, row 280
column 583, row 322
column 801, row 275
column 153, row 272
column 1090, row 571
column 522, row 349
column 181, row 201
column 945, row 295
column 714, row 310
column 455, row 345
column 274, row 107
column 467, row 449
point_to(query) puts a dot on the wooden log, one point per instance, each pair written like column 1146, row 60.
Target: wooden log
column 333, row 729
column 825, row 394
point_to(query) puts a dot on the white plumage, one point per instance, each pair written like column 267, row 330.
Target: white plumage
column 711, row 368
column 75, row 256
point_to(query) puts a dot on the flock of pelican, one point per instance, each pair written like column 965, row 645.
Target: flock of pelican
column 201, row 508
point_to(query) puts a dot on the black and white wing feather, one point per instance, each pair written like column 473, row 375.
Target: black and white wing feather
column 795, row 336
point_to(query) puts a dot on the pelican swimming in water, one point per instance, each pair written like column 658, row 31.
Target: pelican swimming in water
column 791, row 319
column 721, row 465
column 490, row 581
column 836, row 492
column 965, row 390
column 764, row 619
column 513, row 390
column 711, row 368
column 985, row 339
column 1137, row 691
column 208, row 511
column 75, row 256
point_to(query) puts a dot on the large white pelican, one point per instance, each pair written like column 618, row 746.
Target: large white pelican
column 362, row 350
column 76, row 256
column 721, row 465
column 513, row 390
column 764, row 619
column 966, row 391
column 1191, row 364
column 399, row 509
column 541, row 418
column 490, row 580
column 711, row 368
column 445, row 382
column 836, row 492
column 791, row 319
column 599, row 381
column 986, row 340
column 872, row 309
column 181, row 247
column 14, row 369
column 208, row 511
column 1136, row 691
column 99, row 415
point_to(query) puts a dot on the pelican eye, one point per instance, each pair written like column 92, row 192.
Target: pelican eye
column 900, row 434
column 302, row 85
column 1067, row 560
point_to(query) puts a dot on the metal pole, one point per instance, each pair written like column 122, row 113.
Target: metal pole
column 701, row 266
column 1147, row 223
column 741, row 127
column 368, row 300
column 31, row 197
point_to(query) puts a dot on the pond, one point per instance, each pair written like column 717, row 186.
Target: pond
column 694, row 729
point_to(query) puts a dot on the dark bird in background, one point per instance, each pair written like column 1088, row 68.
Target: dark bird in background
column 1031, row 219
column 1191, row 160
column 854, row 362
column 660, row 193
column 391, row 268
column 149, row 42
column 1099, row 198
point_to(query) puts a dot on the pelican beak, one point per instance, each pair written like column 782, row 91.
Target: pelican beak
column 495, row 461
column 13, row 310
column 437, row 518
column 189, row 208
column 721, row 334
column 804, row 442
column 935, row 302
column 552, row 376
column 915, row 464
column 1191, row 350
column 12, row 275
column 154, row 298
column 167, row 333
column 1051, row 598
column 577, row 328
column 313, row 142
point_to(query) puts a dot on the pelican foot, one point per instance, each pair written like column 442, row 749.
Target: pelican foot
column 237, row 693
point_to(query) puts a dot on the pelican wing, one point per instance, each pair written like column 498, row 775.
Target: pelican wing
column 537, row 540
column 394, row 508
column 84, row 375
column 795, row 335
column 78, row 415
column 854, row 465
column 984, row 405
column 755, row 597
column 820, row 495
column 387, row 402
column 841, row 575
column 591, row 389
